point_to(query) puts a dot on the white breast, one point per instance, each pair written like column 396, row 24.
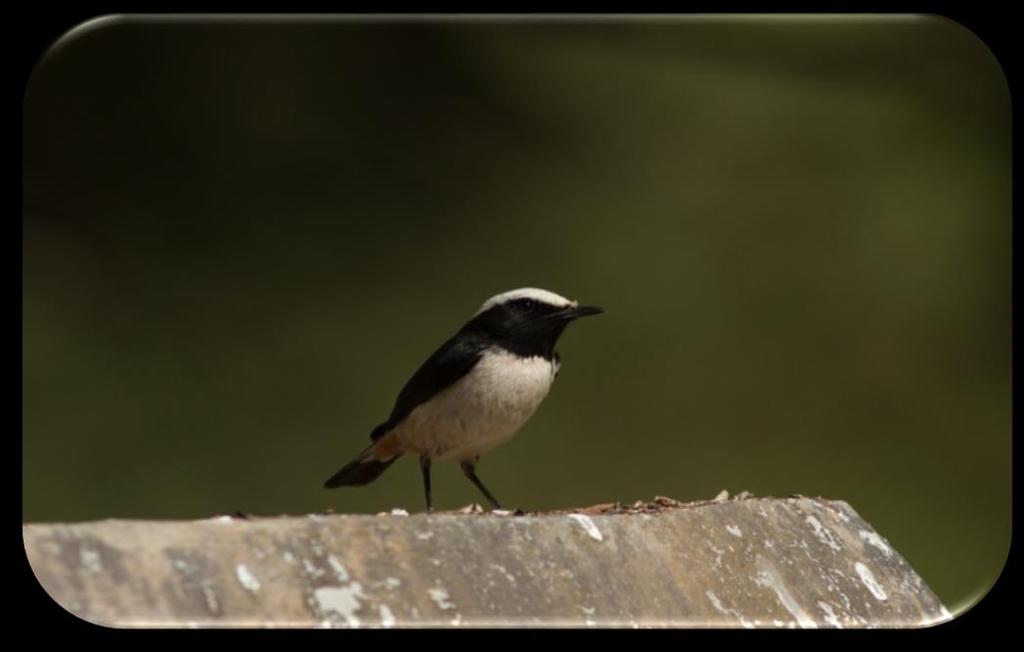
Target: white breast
column 481, row 410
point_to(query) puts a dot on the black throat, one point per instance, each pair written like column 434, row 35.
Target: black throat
column 532, row 333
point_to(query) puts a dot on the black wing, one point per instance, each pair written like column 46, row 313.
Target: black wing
column 449, row 363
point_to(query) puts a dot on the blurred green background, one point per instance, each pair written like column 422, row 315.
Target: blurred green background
column 242, row 236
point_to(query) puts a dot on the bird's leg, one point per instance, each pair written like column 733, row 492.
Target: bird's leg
column 469, row 468
column 425, row 468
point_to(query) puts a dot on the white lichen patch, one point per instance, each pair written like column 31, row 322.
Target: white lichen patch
column 387, row 619
column 288, row 557
column 588, row 612
column 90, row 560
column 722, row 496
column 392, row 583
column 715, row 602
column 718, row 554
column 823, row 534
column 830, row 615
column 841, row 511
column 313, row 570
column 246, row 578
column 501, row 569
column 440, row 597
column 839, row 590
column 868, row 578
column 210, row 596
column 588, row 524
column 398, row 511
column 872, row 539
column 423, row 536
column 837, row 513
column 339, row 570
column 734, row 530
column 221, row 519
column 770, row 580
column 342, row 600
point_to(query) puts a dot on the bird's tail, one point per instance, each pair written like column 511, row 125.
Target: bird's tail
column 367, row 466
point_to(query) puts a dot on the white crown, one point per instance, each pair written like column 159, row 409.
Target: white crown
column 537, row 294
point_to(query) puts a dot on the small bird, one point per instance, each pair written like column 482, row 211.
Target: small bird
column 475, row 391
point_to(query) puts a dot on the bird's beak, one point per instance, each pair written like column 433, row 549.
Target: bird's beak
column 576, row 312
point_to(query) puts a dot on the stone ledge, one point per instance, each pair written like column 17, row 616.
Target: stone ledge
column 757, row 562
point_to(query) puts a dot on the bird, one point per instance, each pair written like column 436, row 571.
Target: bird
column 476, row 390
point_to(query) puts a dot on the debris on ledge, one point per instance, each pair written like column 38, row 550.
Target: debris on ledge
column 742, row 562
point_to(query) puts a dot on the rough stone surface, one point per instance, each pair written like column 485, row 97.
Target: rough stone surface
column 794, row 562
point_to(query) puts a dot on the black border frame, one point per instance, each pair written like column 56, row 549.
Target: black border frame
column 38, row 27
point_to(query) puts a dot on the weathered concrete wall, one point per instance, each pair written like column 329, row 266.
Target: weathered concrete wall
column 792, row 562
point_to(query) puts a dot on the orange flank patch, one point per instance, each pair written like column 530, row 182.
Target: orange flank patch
column 387, row 447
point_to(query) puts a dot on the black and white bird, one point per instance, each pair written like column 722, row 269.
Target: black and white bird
column 475, row 391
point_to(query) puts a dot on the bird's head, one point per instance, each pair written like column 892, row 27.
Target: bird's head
column 529, row 320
